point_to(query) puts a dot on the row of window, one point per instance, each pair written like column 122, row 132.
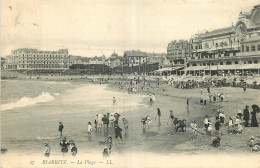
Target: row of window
column 42, row 66
column 247, row 48
column 40, row 62
column 30, row 55
column 227, row 63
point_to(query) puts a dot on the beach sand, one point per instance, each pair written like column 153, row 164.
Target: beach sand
column 166, row 140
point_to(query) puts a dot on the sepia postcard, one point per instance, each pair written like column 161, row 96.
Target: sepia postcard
column 130, row 84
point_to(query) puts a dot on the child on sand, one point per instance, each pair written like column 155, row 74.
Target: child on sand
column 240, row 129
column 108, row 146
column 230, row 125
column 89, row 129
column 73, row 148
column 209, row 128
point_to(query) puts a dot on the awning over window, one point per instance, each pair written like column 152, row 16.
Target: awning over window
column 164, row 69
column 196, row 68
column 168, row 69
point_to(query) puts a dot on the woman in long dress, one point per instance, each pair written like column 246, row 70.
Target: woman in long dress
column 254, row 122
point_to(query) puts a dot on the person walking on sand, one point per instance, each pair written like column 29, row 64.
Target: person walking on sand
column 47, row 150
column 246, row 116
column 194, row 127
column 222, row 117
column 217, row 126
column 105, row 121
column 188, row 106
column 60, row 128
column 206, row 123
column 244, row 88
column 112, row 119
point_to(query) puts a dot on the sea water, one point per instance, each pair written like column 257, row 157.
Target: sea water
column 31, row 110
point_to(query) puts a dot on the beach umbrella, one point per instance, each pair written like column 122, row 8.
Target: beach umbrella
column 256, row 107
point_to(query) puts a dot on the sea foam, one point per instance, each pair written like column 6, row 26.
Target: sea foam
column 27, row 101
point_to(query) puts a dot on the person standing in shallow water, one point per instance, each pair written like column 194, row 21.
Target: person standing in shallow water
column 118, row 132
column 114, row 101
column 159, row 114
column 89, row 129
column 47, row 150
column 60, row 128
column 64, row 145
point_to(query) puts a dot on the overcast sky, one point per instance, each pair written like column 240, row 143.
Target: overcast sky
column 90, row 28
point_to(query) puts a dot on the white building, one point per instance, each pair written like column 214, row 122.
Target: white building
column 25, row 58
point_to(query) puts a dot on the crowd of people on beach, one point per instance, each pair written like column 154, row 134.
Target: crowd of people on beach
column 214, row 125
column 102, row 122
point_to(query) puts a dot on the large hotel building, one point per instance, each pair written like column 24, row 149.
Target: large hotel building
column 234, row 49
column 34, row 59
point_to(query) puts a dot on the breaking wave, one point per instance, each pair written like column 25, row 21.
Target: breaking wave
column 27, row 101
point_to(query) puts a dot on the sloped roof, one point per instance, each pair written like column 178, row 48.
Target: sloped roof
column 219, row 31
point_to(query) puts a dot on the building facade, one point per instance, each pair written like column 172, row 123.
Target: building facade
column 97, row 60
column 237, row 44
column 135, row 58
column 25, row 58
column 177, row 50
column 158, row 58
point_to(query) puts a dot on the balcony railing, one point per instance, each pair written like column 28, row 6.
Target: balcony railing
column 234, row 46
